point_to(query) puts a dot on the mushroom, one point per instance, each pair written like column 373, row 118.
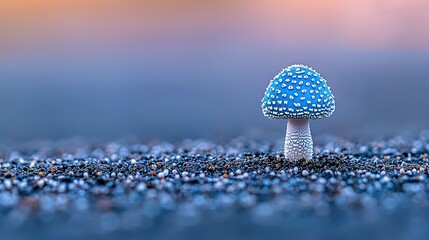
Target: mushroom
column 298, row 93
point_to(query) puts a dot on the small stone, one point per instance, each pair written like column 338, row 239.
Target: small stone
column 385, row 179
column 141, row 187
column 40, row 183
column 9, row 175
column 8, row 184
column 305, row 173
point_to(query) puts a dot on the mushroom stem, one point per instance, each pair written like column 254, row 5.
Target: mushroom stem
column 298, row 141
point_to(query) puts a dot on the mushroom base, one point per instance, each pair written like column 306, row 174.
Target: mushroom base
column 298, row 141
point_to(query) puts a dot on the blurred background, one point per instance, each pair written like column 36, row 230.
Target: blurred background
column 158, row 69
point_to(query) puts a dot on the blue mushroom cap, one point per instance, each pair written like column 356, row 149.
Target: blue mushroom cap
column 299, row 92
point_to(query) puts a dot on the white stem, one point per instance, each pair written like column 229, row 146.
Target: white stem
column 298, row 142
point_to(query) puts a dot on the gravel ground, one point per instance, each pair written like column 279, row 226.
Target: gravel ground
column 202, row 189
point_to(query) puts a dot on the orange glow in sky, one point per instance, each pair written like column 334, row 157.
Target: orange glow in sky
column 52, row 24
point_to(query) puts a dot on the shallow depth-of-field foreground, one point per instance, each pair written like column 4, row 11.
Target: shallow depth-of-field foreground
column 234, row 189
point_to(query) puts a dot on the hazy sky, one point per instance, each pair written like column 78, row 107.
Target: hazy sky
column 192, row 68
column 45, row 25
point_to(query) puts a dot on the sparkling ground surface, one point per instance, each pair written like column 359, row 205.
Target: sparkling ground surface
column 233, row 190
